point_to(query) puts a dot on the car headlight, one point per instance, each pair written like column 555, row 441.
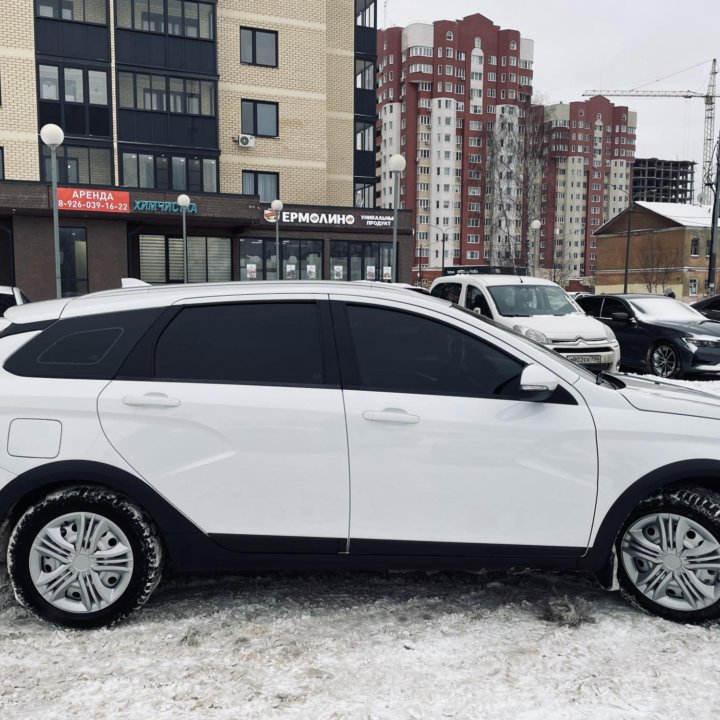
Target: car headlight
column 531, row 334
column 702, row 341
column 610, row 335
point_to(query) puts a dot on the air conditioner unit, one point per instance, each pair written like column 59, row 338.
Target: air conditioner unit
column 246, row 141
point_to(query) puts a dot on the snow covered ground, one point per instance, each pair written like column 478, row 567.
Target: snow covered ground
column 522, row 645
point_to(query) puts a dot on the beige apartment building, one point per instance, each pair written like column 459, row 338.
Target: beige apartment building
column 234, row 104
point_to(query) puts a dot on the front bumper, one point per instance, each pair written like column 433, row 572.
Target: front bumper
column 594, row 356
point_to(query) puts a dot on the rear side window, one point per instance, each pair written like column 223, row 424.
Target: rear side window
column 6, row 301
column 591, row 305
column 91, row 347
column 259, row 343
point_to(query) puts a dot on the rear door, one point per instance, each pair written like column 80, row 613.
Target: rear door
column 233, row 412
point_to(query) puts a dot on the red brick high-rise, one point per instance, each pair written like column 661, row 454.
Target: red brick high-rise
column 453, row 98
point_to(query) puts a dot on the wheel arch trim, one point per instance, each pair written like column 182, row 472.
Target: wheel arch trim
column 33, row 484
column 684, row 473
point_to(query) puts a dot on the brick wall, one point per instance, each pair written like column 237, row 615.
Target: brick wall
column 313, row 85
column 18, row 113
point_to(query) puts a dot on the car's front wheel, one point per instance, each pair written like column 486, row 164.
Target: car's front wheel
column 669, row 555
column 84, row 557
column 664, row 361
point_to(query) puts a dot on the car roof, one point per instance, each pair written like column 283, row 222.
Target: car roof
column 632, row 296
column 138, row 297
column 493, row 279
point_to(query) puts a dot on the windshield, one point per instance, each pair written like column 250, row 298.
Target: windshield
column 665, row 309
column 527, row 300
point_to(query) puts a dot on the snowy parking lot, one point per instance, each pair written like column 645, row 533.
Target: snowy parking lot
column 332, row 646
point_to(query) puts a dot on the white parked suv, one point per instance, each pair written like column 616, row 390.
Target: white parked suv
column 334, row 425
column 539, row 309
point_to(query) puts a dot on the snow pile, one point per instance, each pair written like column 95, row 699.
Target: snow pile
column 350, row 646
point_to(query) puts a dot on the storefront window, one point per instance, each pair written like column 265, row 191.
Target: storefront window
column 302, row 259
column 359, row 260
column 161, row 259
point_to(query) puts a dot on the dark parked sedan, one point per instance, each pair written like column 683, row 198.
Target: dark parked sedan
column 709, row 307
column 658, row 334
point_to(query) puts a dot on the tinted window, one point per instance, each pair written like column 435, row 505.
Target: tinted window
column 448, row 291
column 243, row 343
column 591, row 305
column 91, row 347
column 6, row 301
column 613, row 305
column 400, row 352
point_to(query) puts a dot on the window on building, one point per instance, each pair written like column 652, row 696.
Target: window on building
column 258, row 47
column 365, row 136
column 2, row 164
column 259, row 118
column 364, row 194
column 263, row 184
column 365, row 75
column 162, row 172
column 79, row 165
column 88, row 11
column 692, row 287
column 158, row 93
column 365, row 13
column 695, row 247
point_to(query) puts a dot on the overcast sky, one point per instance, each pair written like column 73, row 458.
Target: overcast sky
column 607, row 45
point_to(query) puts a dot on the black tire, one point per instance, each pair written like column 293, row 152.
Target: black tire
column 679, row 599
column 664, row 361
column 139, row 553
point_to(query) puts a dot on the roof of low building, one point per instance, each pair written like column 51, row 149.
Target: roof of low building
column 687, row 215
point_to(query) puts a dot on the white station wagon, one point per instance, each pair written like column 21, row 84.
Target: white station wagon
column 334, row 425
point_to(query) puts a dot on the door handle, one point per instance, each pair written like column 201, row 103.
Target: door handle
column 151, row 400
column 391, row 415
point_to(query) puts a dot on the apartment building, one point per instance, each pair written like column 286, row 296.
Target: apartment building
column 453, row 98
column 232, row 103
column 588, row 157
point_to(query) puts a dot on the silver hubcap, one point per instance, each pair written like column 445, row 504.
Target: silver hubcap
column 664, row 361
column 673, row 561
column 81, row 562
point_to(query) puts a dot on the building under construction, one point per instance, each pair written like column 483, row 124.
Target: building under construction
column 671, row 181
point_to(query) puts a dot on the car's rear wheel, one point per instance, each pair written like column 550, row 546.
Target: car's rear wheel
column 83, row 558
column 664, row 361
column 669, row 555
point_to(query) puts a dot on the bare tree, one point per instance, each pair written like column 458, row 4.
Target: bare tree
column 657, row 261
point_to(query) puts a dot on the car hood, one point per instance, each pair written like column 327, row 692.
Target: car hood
column 659, row 396
column 702, row 327
column 563, row 327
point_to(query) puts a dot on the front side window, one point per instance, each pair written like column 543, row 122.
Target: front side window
column 243, row 343
column 258, row 47
column 400, row 352
column 259, row 118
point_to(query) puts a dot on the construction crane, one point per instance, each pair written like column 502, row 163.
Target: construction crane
column 708, row 175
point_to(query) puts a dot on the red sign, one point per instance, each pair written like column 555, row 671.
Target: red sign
column 87, row 199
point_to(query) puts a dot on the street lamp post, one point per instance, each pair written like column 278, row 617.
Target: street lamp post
column 396, row 166
column 713, row 224
column 277, row 206
column 53, row 137
column 444, row 231
column 183, row 201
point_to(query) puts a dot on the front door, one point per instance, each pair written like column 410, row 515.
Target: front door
column 443, row 452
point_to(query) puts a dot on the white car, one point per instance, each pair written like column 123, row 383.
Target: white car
column 334, row 425
column 539, row 309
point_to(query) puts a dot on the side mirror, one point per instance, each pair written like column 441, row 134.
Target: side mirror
column 537, row 384
column 620, row 316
